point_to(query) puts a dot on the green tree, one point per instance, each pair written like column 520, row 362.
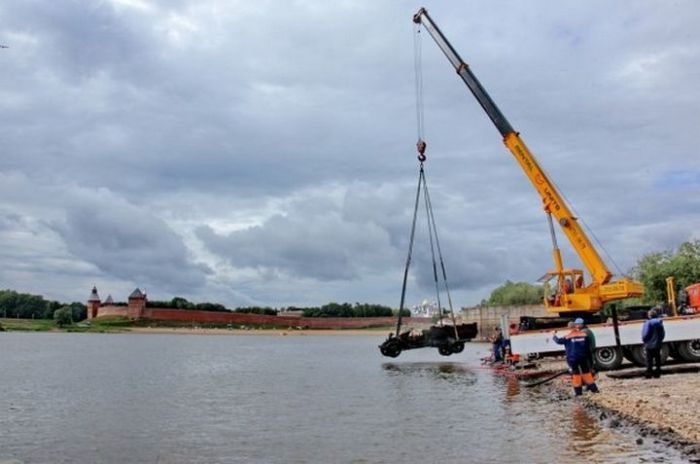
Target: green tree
column 653, row 269
column 63, row 316
column 404, row 313
column 371, row 310
column 181, row 303
column 348, row 310
column 210, row 307
column 79, row 311
column 52, row 306
column 22, row 305
column 266, row 311
column 516, row 293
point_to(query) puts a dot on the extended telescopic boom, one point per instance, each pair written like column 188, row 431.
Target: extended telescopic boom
column 591, row 297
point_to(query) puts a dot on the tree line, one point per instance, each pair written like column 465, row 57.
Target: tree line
column 349, row 310
column 182, row 303
column 27, row 306
column 683, row 264
column 327, row 310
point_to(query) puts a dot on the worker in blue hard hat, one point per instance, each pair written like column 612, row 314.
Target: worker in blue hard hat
column 578, row 354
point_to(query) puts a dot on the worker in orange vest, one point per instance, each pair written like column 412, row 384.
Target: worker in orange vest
column 578, row 355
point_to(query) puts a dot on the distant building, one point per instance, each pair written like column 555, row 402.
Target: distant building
column 137, row 303
column 134, row 310
column 93, row 304
column 425, row 309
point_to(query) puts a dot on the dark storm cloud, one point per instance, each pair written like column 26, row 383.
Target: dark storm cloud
column 311, row 240
column 117, row 94
column 363, row 230
column 129, row 243
column 9, row 220
column 79, row 40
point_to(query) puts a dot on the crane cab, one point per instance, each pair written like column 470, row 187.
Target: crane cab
column 565, row 292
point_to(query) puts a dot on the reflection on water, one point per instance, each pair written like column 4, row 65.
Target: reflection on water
column 512, row 388
column 454, row 373
column 208, row 399
column 584, row 429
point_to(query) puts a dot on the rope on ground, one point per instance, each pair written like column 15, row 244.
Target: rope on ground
column 547, row 379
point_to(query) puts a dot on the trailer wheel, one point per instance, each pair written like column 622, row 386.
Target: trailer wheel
column 673, row 351
column 690, row 350
column 639, row 357
column 608, row 358
column 390, row 349
column 444, row 350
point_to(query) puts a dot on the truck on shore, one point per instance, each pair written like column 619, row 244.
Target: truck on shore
column 681, row 342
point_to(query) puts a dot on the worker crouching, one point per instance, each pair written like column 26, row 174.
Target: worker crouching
column 578, row 352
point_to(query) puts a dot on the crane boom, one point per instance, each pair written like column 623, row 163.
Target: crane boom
column 588, row 298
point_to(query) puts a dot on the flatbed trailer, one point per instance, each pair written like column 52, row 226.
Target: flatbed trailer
column 682, row 342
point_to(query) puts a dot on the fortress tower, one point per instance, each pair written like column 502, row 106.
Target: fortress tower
column 93, row 304
column 137, row 303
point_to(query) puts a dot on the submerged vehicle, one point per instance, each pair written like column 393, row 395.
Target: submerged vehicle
column 448, row 339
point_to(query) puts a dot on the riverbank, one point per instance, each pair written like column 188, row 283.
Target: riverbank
column 120, row 325
column 253, row 331
column 664, row 409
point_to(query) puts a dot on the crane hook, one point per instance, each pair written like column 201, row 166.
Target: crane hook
column 421, row 146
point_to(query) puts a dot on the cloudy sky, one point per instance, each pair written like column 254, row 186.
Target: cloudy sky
column 264, row 152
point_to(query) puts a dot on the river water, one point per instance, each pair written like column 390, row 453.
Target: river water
column 134, row 398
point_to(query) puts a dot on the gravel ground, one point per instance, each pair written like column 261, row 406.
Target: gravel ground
column 666, row 408
column 670, row 403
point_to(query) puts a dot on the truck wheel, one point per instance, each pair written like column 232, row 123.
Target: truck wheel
column 639, row 357
column 608, row 358
column 690, row 350
column 390, row 349
column 627, row 354
column 457, row 347
column 444, row 350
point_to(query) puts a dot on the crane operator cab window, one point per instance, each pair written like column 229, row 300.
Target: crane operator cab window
column 558, row 285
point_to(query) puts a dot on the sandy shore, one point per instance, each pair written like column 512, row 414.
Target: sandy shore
column 281, row 332
column 665, row 409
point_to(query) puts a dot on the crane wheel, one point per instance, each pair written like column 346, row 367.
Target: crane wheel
column 607, row 358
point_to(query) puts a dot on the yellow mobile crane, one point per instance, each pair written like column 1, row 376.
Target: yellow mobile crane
column 570, row 293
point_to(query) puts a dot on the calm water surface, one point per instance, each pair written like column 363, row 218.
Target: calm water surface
column 133, row 398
